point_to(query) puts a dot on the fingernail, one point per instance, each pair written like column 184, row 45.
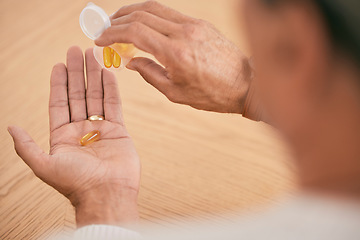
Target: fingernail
column 130, row 66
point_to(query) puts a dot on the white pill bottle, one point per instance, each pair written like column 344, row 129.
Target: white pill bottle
column 93, row 22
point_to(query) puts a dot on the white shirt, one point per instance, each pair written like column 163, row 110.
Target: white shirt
column 304, row 218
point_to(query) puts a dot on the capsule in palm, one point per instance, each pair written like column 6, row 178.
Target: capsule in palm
column 90, row 138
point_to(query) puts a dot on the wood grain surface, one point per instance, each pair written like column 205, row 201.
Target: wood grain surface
column 194, row 163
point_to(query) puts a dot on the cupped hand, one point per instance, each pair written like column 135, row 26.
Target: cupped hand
column 101, row 179
column 201, row 67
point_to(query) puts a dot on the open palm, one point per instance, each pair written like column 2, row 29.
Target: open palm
column 71, row 168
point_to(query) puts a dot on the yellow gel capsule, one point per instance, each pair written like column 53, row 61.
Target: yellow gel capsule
column 90, row 137
column 107, row 57
column 116, row 60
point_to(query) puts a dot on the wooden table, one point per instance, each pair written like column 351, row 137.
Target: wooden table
column 195, row 164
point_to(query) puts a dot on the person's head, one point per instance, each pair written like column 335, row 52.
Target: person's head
column 306, row 58
column 298, row 46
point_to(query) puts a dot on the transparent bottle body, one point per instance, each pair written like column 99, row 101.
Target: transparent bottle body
column 126, row 52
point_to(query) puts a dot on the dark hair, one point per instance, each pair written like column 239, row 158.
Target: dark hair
column 342, row 18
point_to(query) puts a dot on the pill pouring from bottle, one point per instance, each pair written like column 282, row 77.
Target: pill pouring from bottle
column 93, row 22
column 111, row 58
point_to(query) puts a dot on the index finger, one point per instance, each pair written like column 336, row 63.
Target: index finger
column 142, row 36
column 155, row 8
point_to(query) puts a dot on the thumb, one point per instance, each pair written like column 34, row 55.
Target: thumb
column 29, row 151
column 152, row 72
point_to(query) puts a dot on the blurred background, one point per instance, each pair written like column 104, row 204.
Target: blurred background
column 196, row 164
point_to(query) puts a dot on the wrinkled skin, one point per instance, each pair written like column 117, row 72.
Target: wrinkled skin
column 201, row 67
column 104, row 172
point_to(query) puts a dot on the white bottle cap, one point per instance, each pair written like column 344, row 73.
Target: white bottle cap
column 94, row 21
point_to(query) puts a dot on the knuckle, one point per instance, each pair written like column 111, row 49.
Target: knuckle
column 189, row 28
column 151, row 4
column 95, row 94
column 201, row 23
column 183, row 55
column 76, row 95
column 58, row 103
column 112, row 100
column 137, row 15
column 135, row 27
column 147, row 66
column 121, row 9
column 191, row 31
